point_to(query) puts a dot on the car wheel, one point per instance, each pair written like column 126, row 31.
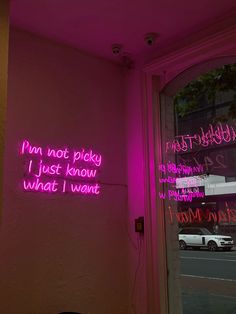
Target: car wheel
column 182, row 245
column 212, row 246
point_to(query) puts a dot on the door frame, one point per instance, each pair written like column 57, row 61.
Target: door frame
column 156, row 75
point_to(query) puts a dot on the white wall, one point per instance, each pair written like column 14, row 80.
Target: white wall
column 64, row 252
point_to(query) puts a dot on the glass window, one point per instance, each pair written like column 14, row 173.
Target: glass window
column 184, row 231
column 197, row 178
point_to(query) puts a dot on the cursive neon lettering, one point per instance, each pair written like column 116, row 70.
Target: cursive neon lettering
column 86, row 157
column 194, row 216
column 64, row 186
column 199, row 216
column 85, row 188
column 162, row 168
column 231, row 215
column 58, row 153
column 170, row 180
column 162, row 195
column 50, row 186
column 186, row 195
column 48, row 169
column 233, row 132
column 83, row 173
column 72, row 171
column 30, row 166
column 91, row 157
column 77, row 156
column 27, row 148
column 182, row 217
column 180, row 169
column 213, row 135
column 70, row 166
column 212, row 216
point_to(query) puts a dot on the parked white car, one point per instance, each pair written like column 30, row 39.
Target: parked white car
column 202, row 237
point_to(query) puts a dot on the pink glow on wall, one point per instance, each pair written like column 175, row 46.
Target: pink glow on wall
column 51, row 104
column 61, row 165
column 214, row 135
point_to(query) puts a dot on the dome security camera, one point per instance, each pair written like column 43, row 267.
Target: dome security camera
column 116, row 49
column 150, row 38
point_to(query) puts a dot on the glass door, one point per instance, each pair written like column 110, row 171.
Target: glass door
column 197, row 181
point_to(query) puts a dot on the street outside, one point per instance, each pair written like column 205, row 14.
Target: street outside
column 208, row 282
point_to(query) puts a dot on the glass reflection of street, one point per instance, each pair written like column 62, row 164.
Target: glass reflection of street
column 208, row 281
column 197, row 177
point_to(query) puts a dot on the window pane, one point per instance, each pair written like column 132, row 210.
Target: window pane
column 198, row 183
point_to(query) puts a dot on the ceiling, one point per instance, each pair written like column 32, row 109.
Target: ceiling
column 94, row 25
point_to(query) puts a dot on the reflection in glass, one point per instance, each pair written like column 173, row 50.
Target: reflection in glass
column 198, row 187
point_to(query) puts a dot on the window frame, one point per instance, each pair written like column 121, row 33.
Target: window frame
column 206, row 53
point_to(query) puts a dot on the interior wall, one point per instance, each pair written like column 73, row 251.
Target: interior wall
column 4, row 43
column 64, row 252
column 135, row 172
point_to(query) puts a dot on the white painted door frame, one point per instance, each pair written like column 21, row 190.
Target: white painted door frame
column 205, row 53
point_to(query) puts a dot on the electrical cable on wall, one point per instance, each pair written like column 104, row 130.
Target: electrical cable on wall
column 139, row 249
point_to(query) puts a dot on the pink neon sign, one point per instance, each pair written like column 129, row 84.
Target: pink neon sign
column 217, row 135
column 180, row 169
column 171, row 174
column 183, row 195
column 198, row 215
column 62, row 170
